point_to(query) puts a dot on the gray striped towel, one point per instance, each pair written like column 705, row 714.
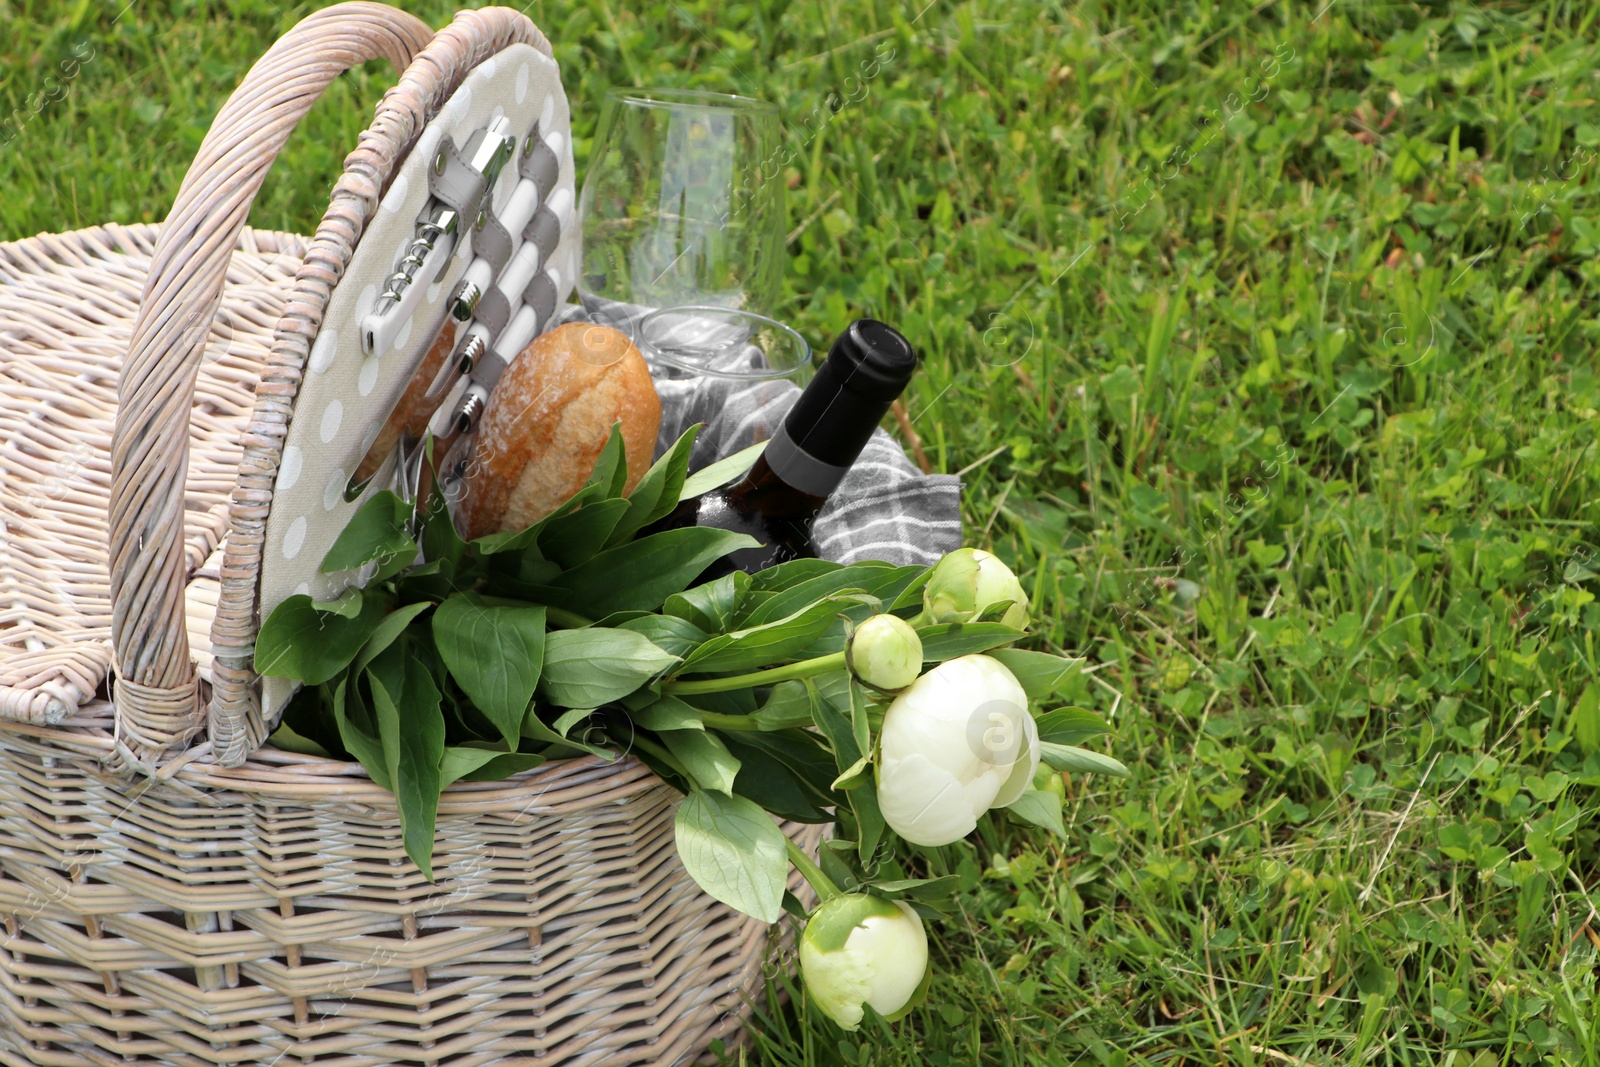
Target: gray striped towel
column 885, row 509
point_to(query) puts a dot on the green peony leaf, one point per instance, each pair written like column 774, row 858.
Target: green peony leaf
column 510, row 540
column 866, row 577
column 386, row 632
column 707, row 759
column 853, row 775
column 643, row 573
column 347, row 605
column 788, row 705
column 504, row 765
column 406, row 705
column 858, row 716
column 440, row 540
column 1070, row 758
column 286, row 738
column 833, row 719
column 494, row 652
column 617, row 618
column 1040, row 808
column 735, row 851
column 910, row 596
column 667, row 713
column 1068, row 726
column 1040, row 673
column 802, row 751
column 309, row 715
column 558, row 745
column 869, row 818
column 767, row 777
column 610, row 471
column 574, row 539
column 760, row 646
column 713, row 605
column 526, row 540
column 458, row 762
column 379, row 530
column 720, row 473
column 950, row 640
column 656, row 494
column 588, row 667
column 788, row 575
column 919, row 888
column 673, row 635
column 298, row 641
column 358, row 734
column 996, row 611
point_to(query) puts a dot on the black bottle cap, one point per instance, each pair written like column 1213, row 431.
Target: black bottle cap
column 872, row 358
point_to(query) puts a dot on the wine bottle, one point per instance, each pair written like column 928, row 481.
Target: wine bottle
column 778, row 499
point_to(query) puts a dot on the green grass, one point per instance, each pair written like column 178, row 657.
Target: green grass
column 1299, row 451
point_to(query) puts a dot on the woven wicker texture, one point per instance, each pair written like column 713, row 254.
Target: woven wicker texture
column 149, row 448
column 265, row 913
column 233, row 916
column 67, row 309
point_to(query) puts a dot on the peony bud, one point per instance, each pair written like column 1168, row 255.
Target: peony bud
column 967, row 581
column 859, row 949
column 956, row 743
column 885, row 652
column 1048, row 780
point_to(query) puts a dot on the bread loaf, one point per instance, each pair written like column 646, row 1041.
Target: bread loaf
column 548, row 420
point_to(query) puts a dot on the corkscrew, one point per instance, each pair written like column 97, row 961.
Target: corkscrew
column 429, row 230
column 508, row 292
column 461, row 186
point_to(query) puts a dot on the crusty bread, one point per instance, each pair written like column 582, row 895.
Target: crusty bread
column 548, row 420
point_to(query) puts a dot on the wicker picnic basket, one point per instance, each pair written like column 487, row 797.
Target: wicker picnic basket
column 172, row 891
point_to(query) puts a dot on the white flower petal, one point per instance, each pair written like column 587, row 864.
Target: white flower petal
column 896, row 955
column 953, row 745
column 880, row 960
column 981, row 793
column 1023, row 770
column 922, row 802
column 838, row 981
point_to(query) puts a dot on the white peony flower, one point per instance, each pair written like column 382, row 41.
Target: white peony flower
column 968, row 580
column 958, row 742
column 885, row 652
column 858, row 949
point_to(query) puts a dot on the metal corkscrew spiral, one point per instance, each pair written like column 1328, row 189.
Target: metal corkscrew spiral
column 428, row 233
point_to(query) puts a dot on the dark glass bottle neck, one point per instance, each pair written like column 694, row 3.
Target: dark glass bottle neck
column 764, row 490
column 823, row 433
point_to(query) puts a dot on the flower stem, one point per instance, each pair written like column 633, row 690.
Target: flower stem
column 567, row 619
column 824, row 886
column 660, row 753
column 717, row 720
column 771, row 676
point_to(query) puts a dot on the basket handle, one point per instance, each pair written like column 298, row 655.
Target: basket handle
column 155, row 692
column 236, row 726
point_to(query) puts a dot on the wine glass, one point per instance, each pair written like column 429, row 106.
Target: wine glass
column 725, row 343
column 682, row 205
